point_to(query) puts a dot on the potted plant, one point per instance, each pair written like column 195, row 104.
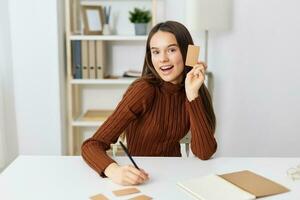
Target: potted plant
column 140, row 18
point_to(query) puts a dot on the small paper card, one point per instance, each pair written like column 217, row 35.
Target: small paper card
column 192, row 55
column 99, row 197
column 141, row 197
column 126, row 191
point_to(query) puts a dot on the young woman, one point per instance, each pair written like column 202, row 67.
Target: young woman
column 158, row 109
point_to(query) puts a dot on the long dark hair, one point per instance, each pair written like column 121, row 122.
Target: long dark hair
column 183, row 38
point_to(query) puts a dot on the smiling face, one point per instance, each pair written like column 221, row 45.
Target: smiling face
column 166, row 57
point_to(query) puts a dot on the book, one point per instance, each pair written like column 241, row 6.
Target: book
column 96, row 115
column 132, row 73
column 213, row 187
column 242, row 185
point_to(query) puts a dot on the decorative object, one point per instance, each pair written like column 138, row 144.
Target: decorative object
column 207, row 15
column 93, row 19
column 140, row 18
column 106, row 27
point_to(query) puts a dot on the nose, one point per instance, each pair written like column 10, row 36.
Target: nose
column 163, row 57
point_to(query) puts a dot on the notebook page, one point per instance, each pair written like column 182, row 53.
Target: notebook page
column 213, row 187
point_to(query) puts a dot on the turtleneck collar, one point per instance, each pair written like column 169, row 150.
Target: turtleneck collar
column 171, row 88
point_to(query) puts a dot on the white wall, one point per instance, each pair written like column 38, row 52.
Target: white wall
column 256, row 77
column 257, row 82
column 36, row 58
column 8, row 133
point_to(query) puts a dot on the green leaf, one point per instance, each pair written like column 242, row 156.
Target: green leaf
column 139, row 16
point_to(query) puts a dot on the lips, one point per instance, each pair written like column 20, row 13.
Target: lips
column 166, row 67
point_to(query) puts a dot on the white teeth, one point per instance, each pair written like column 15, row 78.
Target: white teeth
column 166, row 67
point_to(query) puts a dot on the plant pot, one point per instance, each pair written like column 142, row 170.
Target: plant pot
column 140, row 28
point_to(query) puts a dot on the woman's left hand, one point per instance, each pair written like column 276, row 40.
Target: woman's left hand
column 194, row 79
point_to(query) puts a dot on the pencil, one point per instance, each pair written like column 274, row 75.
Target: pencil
column 127, row 153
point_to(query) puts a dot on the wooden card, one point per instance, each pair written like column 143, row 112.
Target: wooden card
column 141, row 197
column 126, row 191
column 192, row 55
column 99, row 197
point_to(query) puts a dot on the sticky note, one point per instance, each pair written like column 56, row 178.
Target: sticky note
column 192, row 55
column 141, row 197
column 126, row 191
column 99, row 197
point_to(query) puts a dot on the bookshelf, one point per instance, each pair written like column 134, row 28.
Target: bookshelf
column 109, row 37
column 84, row 94
column 102, row 93
column 119, row 81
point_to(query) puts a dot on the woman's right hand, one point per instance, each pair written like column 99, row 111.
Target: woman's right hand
column 126, row 175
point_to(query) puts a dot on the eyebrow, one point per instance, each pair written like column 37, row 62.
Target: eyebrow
column 170, row 45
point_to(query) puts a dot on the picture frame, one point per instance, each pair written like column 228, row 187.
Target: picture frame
column 93, row 19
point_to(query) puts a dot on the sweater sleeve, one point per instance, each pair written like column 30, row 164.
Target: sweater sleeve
column 135, row 102
column 203, row 143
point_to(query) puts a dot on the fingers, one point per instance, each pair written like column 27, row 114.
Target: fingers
column 202, row 63
column 135, row 176
column 200, row 68
column 133, row 179
column 140, row 173
column 198, row 71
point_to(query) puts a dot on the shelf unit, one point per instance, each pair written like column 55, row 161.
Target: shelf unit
column 109, row 37
column 75, row 86
column 120, row 81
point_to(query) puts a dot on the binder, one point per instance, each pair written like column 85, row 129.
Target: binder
column 92, row 59
column 85, row 60
column 76, row 59
column 100, row 60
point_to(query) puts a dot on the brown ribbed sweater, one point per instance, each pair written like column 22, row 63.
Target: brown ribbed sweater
column 155, row 119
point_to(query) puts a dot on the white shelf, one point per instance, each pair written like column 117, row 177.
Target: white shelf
column 110, row 37
column 121, row 81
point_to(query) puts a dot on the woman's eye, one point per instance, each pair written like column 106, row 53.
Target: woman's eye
column 155, row 52
column 172, row 50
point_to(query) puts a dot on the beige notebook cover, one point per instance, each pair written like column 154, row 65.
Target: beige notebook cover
column 242, row 185
column 254, row 183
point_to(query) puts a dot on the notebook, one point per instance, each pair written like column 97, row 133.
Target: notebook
column 213, row 187
column 242, row 185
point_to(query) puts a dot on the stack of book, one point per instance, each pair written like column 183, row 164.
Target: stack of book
column 96, row 115
column 132, row 73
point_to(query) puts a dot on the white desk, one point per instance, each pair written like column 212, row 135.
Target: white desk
column 69, row 178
